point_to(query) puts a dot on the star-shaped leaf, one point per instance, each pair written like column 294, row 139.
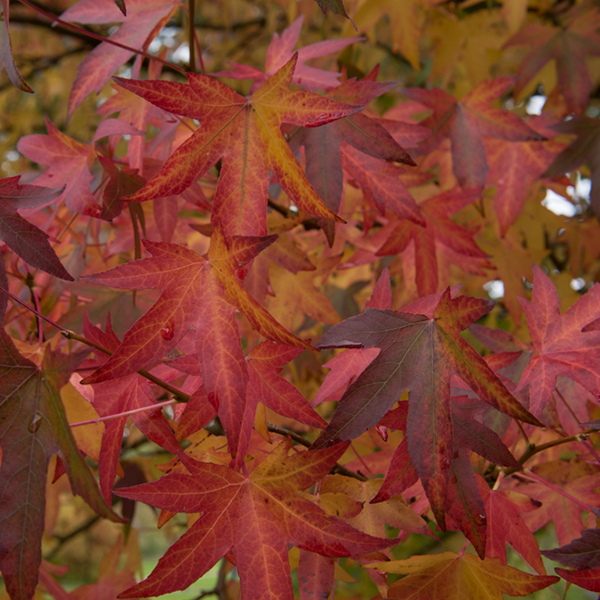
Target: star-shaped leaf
column 561, row 343
column 246, row 135
column 254, row 516
column 420, row 350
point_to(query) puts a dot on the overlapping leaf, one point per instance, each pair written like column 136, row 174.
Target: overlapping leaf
column 33, row 427
column 253, row 516
column 582, row 553
column 420, row 350
column 562, row 344
column 450, row 576
column 246, row 135
column 465, row 123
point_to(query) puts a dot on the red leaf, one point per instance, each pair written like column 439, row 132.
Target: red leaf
column 561, row 344
column 7, row 56
column 255, row 516
column 588, row 579
column 246, row 135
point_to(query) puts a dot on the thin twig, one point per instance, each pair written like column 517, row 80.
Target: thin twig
column 62, row 540
column 99, row 37
column 337, row 468
column 191, row 36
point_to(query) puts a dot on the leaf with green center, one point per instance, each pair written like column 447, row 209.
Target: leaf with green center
column 33, row 427
column 421, row 349
column 246, row 135
column 254, row 516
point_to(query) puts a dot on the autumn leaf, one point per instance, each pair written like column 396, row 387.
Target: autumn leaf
column 25, row 239
column 255, row 516
column 459, row 577
column 112, row 398
column 33, row 427
column 281, row 50
column 420, row 351
column 568, row 46
column 246, row 135
column 324, row 146
column 582, row 553
column 465, row 123
column 201, row 293
column 561, row 343
column 588, row 579
column 137, row 29
column 439, row 234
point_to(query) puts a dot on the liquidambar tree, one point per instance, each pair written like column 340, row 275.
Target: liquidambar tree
column 315, row 282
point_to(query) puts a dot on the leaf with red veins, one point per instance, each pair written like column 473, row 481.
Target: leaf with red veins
column 200, row 293
column 33, row 427
column 68, row 161
column 466, row 122
column 281, row 49
column 564, row 512
column 505, row 526
column 439, row 233
column 254, row 516
column 137, row 29
column 246, row 135
column 6, row 48
column 380, row 183
column 514, row 168
column 23, row 238
column 568, row 46
column 562, row 346
column 323, row 146
column 419, row 353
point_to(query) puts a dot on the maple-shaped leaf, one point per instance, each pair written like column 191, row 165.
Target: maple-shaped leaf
column 585, row 149
column 514, row 168
column 450, row 576
column 203, row 293
column 420, row 350
column 505, row 526
column 138, row 27
column 7, row 59
column 255, row 516
column 25, row 239
column 440, row 234
column 33, row 427
column 588, row 579
column 115, row 397
column 579, row 481
column 69, row 162
column 246, row 135
column 279, row 52
column 582, row 553
column 324, row 146
column 562, row 345
column 568, row 46
column 465, row 123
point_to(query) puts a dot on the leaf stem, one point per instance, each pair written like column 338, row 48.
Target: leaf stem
column 99, row 37
column 124, row 414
